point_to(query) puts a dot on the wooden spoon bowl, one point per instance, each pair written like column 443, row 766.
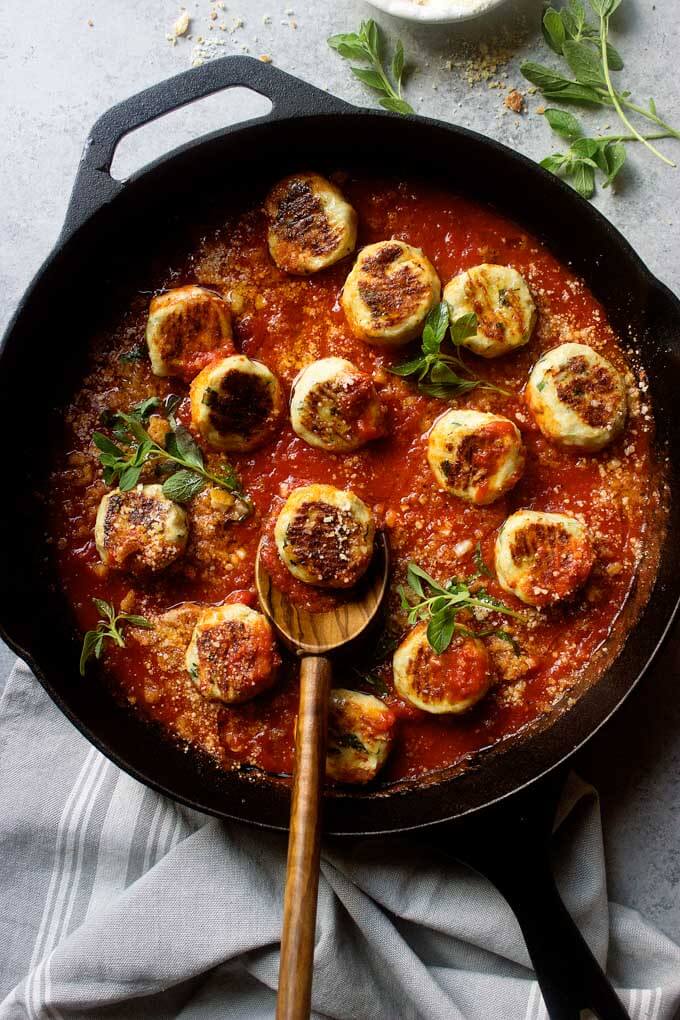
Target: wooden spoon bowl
column 312, row 636
column 308, row 633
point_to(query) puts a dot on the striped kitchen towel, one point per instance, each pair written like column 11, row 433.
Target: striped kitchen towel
column 117, row 903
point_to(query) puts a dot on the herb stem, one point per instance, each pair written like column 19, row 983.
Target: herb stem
column 604, row 27
column 483, row 384
column 162, row 454
column 608, row 99
column 495, row 608
column 634, row 138
column 468, row 602
column 669, row 131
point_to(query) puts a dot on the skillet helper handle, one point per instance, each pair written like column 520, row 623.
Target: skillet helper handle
column 94, row 187
column 572, row 982
column 304, row 843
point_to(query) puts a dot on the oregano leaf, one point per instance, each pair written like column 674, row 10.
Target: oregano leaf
column 584, row 179
column 463, row 327
column 584, row 62
column 409, row 367
column 435, row 328
column 183, row 485
column 440, row 630
column 398, row 62
column 553, row 30
column 553, row 163
column 564, row 124
column 396, row 105
column 368, row 77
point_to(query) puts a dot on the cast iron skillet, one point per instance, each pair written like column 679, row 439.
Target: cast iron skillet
column 107, row 224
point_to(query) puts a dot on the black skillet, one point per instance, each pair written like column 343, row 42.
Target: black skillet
column 109, row 225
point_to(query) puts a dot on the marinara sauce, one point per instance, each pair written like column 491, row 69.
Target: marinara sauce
column 287, row 322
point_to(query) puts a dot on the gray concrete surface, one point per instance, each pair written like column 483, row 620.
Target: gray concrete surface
column 58, row 73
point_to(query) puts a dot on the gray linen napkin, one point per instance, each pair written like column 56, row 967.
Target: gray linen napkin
column 118, row 903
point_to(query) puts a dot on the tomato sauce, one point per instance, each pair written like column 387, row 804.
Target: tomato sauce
column 287, row 322
column 458, row 673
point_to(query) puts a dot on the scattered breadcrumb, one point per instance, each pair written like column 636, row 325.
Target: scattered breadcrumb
column 484, row 61
column 514, row 101
column 265, row 58
column 207, row 50
column 181, row 26
column 90, row 22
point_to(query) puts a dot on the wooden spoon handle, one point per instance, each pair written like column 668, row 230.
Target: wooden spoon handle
column 302, row 876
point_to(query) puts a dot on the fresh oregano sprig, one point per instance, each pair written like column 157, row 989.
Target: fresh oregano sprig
column 108, row 629
column 586, row 156
column 366, row 45
column 591, row 58
column 439, row 374
column 440, row 605
column 123, row 463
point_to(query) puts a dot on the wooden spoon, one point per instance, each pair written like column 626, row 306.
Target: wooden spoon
column 312, row 636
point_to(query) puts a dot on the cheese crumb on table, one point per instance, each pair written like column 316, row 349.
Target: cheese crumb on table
column 181, row 26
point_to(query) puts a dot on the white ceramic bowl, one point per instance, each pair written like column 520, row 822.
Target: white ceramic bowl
column 438, row 12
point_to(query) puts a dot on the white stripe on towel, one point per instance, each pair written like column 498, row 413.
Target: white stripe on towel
column 65, row 873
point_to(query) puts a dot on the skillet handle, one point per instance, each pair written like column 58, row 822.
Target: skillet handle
column 94, row 187
column 572, row 982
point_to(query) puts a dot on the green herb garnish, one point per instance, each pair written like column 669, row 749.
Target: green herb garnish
column 366, row 45
column 141, row 411
column 145, row 408
column 591, row 60
column 108, row 629
column 123, row 463
column 433, row 368
column 440, row 605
